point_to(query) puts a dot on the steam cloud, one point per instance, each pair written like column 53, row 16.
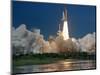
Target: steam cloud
column 25, row 41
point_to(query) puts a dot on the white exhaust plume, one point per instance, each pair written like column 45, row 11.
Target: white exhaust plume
column 65, row 32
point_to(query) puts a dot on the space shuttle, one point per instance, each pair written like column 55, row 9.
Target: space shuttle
column 64, row 17
column 64, row 22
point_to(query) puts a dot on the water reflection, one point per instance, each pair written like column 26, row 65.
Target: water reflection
column 58, row 66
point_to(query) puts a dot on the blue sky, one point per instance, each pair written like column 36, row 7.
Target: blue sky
column 47, row 17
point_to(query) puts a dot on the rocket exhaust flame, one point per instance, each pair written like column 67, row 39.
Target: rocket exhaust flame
column 65, row 32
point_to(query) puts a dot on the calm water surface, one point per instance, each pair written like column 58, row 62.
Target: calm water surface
column 63, row 65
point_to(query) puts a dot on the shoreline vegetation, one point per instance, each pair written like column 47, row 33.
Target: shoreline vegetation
column 47, row 58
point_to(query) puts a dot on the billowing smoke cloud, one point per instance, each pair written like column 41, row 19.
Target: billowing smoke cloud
column 25, row 41
column 88, row 43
